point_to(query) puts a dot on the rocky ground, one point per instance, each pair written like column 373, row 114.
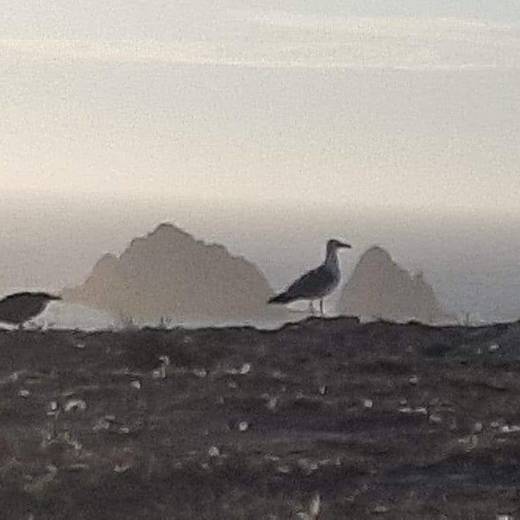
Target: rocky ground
column 327, row 419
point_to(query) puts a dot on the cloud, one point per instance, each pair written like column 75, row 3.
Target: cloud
column 279, row 39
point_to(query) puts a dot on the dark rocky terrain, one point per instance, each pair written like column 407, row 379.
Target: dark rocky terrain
column 324, row 419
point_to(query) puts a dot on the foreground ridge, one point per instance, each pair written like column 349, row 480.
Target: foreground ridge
column 408, row 421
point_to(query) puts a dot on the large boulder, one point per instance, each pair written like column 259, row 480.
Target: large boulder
column 168, row 274
column 380, row 288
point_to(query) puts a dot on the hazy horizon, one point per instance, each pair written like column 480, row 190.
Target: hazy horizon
column 267, row 130
column 471, row 264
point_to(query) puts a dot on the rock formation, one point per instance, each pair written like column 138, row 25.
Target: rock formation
column 380, row 288
column 170, row 275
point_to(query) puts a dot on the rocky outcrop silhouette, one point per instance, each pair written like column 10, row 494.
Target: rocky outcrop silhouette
column 168, row 274
column 380, row 288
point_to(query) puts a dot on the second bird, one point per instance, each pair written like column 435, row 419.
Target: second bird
column 318, row 283
column 18, row 308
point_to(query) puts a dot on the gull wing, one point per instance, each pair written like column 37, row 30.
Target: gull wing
column 312, row 284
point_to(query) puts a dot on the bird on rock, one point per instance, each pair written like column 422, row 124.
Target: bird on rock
column 317, row 283
column 18, row 308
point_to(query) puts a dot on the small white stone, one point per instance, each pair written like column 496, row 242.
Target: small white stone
column 243, row 426
column 245, row 369
column 121, row 468
column 380, row 509
column 413, row 380
column 200, row 372
column 165, row 360
column 272, row 403
column 136, row 384
column 494, row 347
column 159, row 373
column 478, row 427
column 368, row 403
column 510, row 429
column 322, row 390
column 75, row 404
column 102, row 424
column 314, row 508
column 435, row 419
column 80, row 344
column 24, row 393
column 214, row 451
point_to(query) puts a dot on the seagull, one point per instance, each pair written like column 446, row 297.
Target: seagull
column 18, row 308
column 317, row 283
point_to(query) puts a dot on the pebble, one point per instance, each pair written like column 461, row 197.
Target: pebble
column 121, row 468
column 407, row 409
column 245, row 369
column 510, row 429
column 413, row 380
column 243, row 426
column 75, row 404
column 165, row 360
column 368, row 403
column 494, row 347
column 102, row 424
column 214, row 451
column 272, row 403
column 435, row 419
column 159, row 373
column 136, row 385
column 24, row 393
column 314, row 508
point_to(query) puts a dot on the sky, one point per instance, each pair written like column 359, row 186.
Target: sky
column 266, row 126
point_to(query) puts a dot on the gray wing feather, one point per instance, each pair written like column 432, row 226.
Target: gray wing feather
column 311, row 283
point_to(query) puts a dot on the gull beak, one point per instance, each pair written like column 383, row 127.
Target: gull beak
column 342, row 244
column 54, row 297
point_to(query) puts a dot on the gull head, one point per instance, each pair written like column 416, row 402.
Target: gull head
column 334, row 244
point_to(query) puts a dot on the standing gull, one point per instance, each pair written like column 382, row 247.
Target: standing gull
column 18, row 308
column 315, row 284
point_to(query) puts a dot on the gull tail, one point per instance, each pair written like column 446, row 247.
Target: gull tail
column 280, row 298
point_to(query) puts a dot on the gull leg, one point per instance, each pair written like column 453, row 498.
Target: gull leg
column 321, row 307
column 311, row 307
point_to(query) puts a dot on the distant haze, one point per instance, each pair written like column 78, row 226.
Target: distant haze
column 268, row 131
